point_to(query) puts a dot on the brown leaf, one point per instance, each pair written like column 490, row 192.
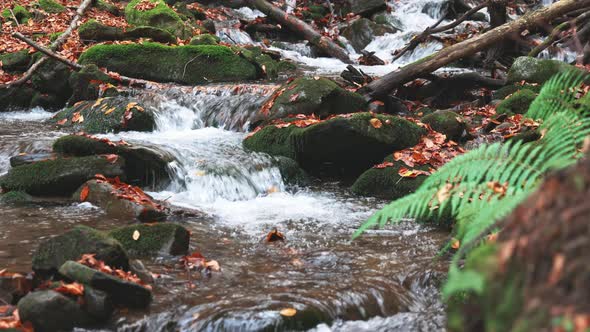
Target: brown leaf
column 275, row 235
column 84, row 193
column 71, row 289
column 376, row 123
column 288, row 312
column 556, row 269
column 62, row 121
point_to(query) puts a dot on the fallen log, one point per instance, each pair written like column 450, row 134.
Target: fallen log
column 381, row 87
column 298, row 26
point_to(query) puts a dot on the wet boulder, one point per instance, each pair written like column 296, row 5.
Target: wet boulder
column 52, row 78
column 61, row 176
column 291, row 172
column 385, row 182
column 80, row 240
column 97, row 304
column 447, row 122
column 15, row 198
column 111, row 114
column 361, row 32
column 86, row 83
column 16, row 61
column 51, row 311
column 14, row 286
column 188, row 64
column 341, row 146
column 533, row 70
column 96, row 31
column 15, row 98
column 161, row 238
column 363, row 7
column 265, row 65
column 160, row 16
column 120, row 200
column 122, row 292
column 145, row 166
column 306, row 95
column 517, row 103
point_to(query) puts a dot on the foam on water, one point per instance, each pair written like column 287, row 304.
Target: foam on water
column 35, row 114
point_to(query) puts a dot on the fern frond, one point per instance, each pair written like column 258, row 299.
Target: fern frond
column 557, row 95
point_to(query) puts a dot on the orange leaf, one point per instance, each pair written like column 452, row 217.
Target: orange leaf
column 84, row 193
column 71, row 289
column 109, row 111
column 455, row 244
column 376, row 123
column 62, row 122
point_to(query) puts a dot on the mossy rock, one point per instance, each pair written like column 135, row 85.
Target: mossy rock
column 48, row 311
column 518, row 103
column 52, row 77
column 386, row 182
column 16, row 98
column 17, row 61
column 361, row 32
column 533, row 70
column 54, row 35
column 96, row 31
column 59, row 177
column 51, row 6
column 107, row 7
column 362, row 7
column 182, row 64
column 291, row 173
column 341, row 146
column 322, row 97
column 508, row 90
column 205, row 39
column 96, row 119
column 265, row 65
column 447, row 122
column 21, row 13
column 144, row 166
column 161, row 238
column 15, row 198
column 122, row 292
column 161, row 16
column 71, row 245
column 86, row 83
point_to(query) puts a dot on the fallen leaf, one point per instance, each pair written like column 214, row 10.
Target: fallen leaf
column 71, row 289
column 556, row 269
column 84, row 193
column 455, row 244
column 62, row 121
column 112, row 158
column 275, row 235
column 136, row 235
column 444, row 193
column 376, row 123
column 98, row 102
column 109, row 111
column 213, row 266
column 75, row 117
column 288, row 312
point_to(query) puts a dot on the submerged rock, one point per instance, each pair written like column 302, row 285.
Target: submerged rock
column 112, row 114
column 518, row 103
column 161, row 16
column 182, row 64
column 122, row 292
column 144, row 166
column 162, row 238
column 533, row 70
column 322, row 97
column 59, row 177
column 341, row 146
column 80, row 240
column 51, row 311
column 447, row 122
column 106, row 196
column 386, row 182
column 361, row 32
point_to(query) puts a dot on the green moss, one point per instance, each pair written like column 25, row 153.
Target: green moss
column 107, row 7
column 59, row 177
column 205, row 39
column 51, row 6
column 161, row 16
column 182, row 64
column 386, row 182
column 21, row 13
column 168, row 238
column 97, row 121
column 321, row 97
column 80, row 240
column 532, row 70
column 506, row 91
column 518, row 103
column 291, row 173
column 273, row 141
column 15, row 197
column 15, row 61
column 447, row 122
column 54, row 35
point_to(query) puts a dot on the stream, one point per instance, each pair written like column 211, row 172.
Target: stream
column 388, row 280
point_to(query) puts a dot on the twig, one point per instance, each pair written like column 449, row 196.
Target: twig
column 46, row 51
column 14, row 16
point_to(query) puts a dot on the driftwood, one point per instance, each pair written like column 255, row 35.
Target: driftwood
column 298, row 26
column 380, row 88
column 54, row 46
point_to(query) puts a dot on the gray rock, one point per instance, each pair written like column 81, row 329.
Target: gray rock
column 51, row 311
column 361, row 32
column 162, row 238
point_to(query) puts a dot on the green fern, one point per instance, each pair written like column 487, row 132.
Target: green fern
column 463, row 189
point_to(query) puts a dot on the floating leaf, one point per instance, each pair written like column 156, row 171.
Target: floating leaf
column 288, row 312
